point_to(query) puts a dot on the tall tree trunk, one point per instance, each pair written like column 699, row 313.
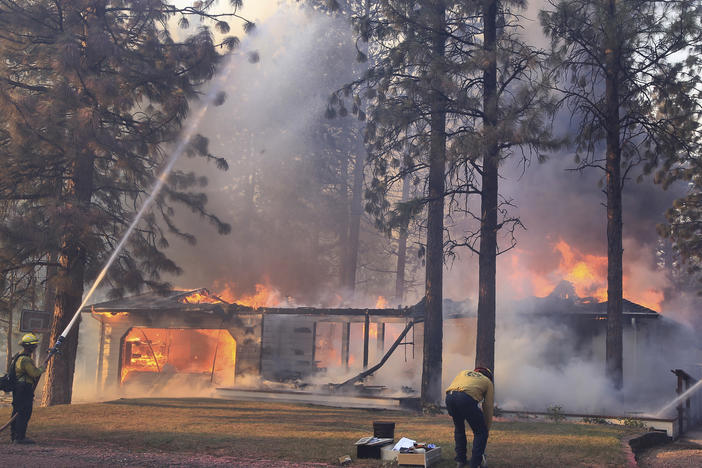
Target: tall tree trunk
column 345, row 223
column 10, row 319
column 485, row 340
column 433, row 320
column 402, row 249
column 356, row 201
column 355, row 222
column 614, row 346
column 49, row 305
column 69, row 291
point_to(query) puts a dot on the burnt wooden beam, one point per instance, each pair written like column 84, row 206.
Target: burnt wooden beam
column 380, row 344
column 387, row 355
column 366, row 335
column 361, row 313
column 345, row 340
column 314, row 341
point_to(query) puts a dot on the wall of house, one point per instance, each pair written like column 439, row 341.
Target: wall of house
column 247, row 331
column 288, row 347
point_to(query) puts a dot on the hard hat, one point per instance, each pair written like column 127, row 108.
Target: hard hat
column 30, row 339
column 485, row 371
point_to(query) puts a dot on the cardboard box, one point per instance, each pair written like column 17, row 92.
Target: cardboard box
column 425, row 459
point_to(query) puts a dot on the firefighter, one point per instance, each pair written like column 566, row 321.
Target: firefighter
column 469, row 388
column 23, row 395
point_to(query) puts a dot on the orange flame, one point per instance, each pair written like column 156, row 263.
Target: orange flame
column 205, row 352
column 201, row 296
column 112, row 314
column 381, row 303
column 586, row 272
column 532, row 274
column 265, row 295
column 327, row 347
column 372, row 331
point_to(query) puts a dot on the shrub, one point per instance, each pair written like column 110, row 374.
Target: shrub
column 555, row 413
column 634, row 423
column 594, row 420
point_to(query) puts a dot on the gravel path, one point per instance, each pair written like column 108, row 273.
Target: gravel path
column 683, row 453
column 45, row 456
column 671, row 456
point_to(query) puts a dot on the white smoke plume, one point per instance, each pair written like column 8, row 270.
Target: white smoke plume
column 263, row 130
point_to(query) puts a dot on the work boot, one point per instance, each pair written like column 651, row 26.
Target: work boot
column 25, row 441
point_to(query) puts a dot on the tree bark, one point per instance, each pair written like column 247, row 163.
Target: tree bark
column 402, row 249
column 355, row 222
column 10, row 319
column 485, row 339
column 433, row 320
column 614, row 345
column 356, row 204
column 69, row 291
column 345, row 223
column 49, row 305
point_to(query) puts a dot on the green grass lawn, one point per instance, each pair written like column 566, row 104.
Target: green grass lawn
column 298, row 432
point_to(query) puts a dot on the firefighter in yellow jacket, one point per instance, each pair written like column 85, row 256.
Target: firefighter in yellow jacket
column 27, row 376
column 469, row 388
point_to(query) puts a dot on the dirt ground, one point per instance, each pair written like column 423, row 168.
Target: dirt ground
column 57, row 455
column 201, row 432
column 667, row 457
column 684, row 453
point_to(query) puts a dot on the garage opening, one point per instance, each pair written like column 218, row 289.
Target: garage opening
column 153, row 356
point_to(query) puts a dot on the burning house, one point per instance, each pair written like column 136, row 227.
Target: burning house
column 196, row 340
column 583, row 321
column 149, row 339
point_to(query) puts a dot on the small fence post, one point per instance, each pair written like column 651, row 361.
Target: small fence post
column 681, row 412
column 688, row 413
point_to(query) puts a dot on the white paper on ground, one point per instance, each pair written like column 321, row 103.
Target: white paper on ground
column 404, row 443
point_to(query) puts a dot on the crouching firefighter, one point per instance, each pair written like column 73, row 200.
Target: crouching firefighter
column 27, row 375
column 469, row 388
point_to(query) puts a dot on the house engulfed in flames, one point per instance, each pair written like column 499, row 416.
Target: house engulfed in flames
column 148, row 338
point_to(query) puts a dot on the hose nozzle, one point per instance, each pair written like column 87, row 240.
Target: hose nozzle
column 56, row 349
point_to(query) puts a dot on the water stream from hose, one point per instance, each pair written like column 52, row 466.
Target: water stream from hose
column 193, row 123
column 683, row 396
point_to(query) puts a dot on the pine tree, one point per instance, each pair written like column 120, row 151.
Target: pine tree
column 428, row 121
column 620, row 68
column 684, row 219
column 91, row 92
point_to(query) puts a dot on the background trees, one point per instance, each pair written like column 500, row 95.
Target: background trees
column 684, row 218
column 446, row 106
column 92, row 91
column 621, row 67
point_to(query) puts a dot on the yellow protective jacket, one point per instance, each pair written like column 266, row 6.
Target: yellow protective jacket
column 26, row 371
column 478, row 387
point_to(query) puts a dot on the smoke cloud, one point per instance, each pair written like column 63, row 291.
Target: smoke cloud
column 278, row 93
column 274, row 193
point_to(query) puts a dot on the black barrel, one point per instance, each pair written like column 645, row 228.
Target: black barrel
column 384, row 429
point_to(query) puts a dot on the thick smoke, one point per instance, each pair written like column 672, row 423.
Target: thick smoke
column 542, row 363
column 279, row 202
column 264, row 131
